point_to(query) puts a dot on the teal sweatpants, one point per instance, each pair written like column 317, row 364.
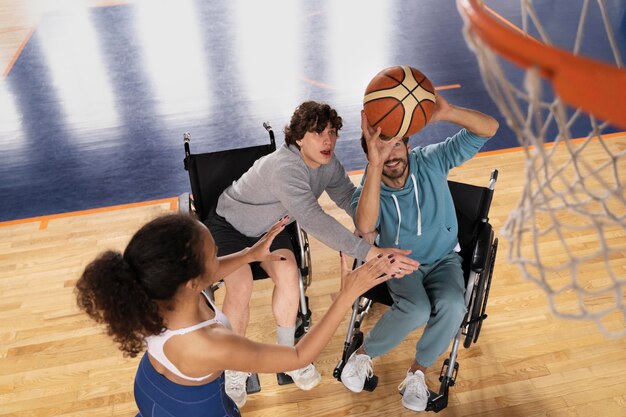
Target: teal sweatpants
column 432, row 296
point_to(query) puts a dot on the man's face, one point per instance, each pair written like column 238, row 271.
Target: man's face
column 395, row 166
column 317, row 148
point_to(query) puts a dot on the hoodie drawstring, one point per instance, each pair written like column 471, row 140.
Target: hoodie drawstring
column 419, row 211
column 395, row 200
column 417, row 201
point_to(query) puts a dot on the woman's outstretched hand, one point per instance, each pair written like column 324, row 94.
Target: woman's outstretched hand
column 260, row 251
column 400, row 264
column 355, row 282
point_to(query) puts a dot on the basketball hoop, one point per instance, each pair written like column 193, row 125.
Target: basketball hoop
column 568, row 232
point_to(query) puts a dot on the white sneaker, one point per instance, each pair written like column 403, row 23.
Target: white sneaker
column 414, row 391
column 356, row 370
column 305, row 378
column 236, row 386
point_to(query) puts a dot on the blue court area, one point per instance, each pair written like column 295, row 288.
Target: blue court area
column 93, row 111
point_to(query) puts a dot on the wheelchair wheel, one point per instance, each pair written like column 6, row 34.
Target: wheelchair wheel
column 306, row 262
column 473, row 314
column 479, row 300
column 486, row 296
column 303, row 322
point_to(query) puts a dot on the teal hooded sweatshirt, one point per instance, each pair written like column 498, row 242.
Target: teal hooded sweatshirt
column 420, row 216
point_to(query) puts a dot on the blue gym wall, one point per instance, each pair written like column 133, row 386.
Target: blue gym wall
column 93, row 111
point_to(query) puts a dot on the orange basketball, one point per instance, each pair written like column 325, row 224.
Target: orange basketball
column 400, row 100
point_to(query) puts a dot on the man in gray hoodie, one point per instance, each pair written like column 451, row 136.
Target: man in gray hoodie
column 404, row 196
column 288, row 182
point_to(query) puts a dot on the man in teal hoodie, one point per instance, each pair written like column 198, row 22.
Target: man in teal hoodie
column 404, row 197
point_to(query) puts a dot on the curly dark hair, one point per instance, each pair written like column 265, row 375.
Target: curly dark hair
column 310, row 116
column 120, row 290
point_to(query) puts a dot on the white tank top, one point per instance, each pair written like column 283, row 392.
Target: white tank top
column 155, row 343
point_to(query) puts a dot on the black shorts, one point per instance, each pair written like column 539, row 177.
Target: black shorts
column 230, row 240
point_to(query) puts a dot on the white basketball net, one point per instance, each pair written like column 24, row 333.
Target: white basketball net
column 568, row 232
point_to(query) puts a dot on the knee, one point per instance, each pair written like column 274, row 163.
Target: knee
column 239, row 285
column 417, row 315
column 452, row 306
column 285, row 272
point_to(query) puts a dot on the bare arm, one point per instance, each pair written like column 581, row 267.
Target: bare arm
column 226, row 350
column 476, row 122
column 368, row 207
column 378, row 151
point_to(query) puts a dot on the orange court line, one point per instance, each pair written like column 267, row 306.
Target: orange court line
column 448, row 87
column 520, row 148
column 114, row 4
column 44, row 220
column 18, row 52
column 549, row 144
column 316, row 83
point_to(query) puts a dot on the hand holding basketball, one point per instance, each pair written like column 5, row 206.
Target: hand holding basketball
column 442, row 107
column 378, row 149
column 400, row 100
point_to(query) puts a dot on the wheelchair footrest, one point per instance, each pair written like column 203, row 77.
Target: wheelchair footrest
column 338, row 369
column 283, row 379
column 253, row 384
column 370, row 383
column 437, row 402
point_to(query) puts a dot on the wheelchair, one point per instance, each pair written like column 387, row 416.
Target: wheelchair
column 210, row 174
column 478, row 250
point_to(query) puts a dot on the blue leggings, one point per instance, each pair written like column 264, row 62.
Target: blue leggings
column 432, row 296
column 157, row 396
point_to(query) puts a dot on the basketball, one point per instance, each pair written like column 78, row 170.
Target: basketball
column 399, row 100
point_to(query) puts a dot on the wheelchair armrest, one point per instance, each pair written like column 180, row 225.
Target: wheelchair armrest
column 482, row 248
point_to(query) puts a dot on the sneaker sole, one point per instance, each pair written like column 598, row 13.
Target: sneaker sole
column 356, row 391
column 309, row 386
column 237, row 403
column 413, row 408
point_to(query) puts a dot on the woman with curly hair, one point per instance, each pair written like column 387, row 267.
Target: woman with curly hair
column 289, row 182
column 151, row 296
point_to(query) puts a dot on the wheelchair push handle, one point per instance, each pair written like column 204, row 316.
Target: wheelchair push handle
column 269, row 129
column 493, row 179
column 489, row 195
column 186, row 140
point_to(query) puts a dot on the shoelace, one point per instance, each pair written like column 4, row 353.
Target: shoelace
column 237, row 381
column 414, row 384
column 304, row 371
column 363, row 367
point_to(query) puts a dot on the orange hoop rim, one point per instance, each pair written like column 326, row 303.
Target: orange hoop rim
column 596, row 87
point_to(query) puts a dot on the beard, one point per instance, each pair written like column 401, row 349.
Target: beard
column 398, row 171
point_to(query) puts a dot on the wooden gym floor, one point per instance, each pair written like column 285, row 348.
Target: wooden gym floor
column 55, row 362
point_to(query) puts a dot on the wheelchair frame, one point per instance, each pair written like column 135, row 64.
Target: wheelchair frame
column 238, row 161
column 478, row 273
